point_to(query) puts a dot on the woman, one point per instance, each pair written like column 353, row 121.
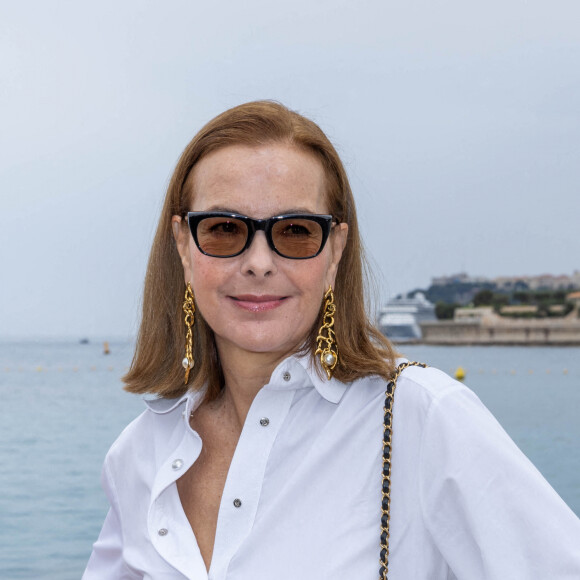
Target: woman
column 262, row 456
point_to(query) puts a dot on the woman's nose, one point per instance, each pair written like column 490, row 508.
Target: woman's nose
column 259, row 260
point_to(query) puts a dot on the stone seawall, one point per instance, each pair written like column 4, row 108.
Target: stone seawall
column 508, row 332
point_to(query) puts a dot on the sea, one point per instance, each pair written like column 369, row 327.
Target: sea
column 63, row 405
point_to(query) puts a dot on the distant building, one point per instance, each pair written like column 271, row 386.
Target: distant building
column 550, row 282
column 518, row 310
column 461, row 278
column 478, row 314
column 574, row 297
column 513, row 283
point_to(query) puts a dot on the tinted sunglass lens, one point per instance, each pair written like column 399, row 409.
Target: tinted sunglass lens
column 297, row 237
column 221, row 236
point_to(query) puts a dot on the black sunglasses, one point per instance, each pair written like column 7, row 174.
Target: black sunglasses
column 225, row 235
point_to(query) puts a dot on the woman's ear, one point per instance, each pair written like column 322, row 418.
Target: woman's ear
column 337, row 241
column 182, row 237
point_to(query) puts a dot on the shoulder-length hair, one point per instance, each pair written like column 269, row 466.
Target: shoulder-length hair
column 156, row 366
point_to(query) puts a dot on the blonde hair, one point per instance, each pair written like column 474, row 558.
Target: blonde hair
column 156, row 366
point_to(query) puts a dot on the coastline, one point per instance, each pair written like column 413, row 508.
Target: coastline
column 493, row 332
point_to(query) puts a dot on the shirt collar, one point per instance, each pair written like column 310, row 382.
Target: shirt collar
column 330, row 389
column 294, row 372
column 161, row 405
column 299, row 371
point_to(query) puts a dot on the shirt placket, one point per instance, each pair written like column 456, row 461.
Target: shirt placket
column 169, row 531
column 244, row 481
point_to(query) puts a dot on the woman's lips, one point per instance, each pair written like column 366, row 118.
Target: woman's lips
column 254, row 303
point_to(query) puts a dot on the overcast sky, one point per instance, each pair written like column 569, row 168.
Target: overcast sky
column 458, row 122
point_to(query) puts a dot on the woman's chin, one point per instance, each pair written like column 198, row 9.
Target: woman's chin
column 274, row 345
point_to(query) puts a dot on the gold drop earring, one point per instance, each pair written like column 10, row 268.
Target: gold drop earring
column 189, row 309
column 326, row 339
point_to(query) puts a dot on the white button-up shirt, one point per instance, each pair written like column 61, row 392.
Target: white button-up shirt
column 303, row 493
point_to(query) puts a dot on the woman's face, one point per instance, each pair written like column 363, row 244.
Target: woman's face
column 259, row 301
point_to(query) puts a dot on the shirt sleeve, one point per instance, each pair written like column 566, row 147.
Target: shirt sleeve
column 106, row 561
column 491, row 513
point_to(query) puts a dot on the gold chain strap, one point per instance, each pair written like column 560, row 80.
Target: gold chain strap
column 387, row 437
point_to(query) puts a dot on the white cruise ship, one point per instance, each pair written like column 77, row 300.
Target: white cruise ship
column 400, row 319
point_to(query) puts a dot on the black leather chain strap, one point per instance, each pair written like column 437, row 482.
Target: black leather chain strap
column 387, row 438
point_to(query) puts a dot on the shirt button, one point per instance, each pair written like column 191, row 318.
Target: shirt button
column 162, row 532
column 237, row 503
column 286, row 376
column 264, row 421
column 177, row 464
